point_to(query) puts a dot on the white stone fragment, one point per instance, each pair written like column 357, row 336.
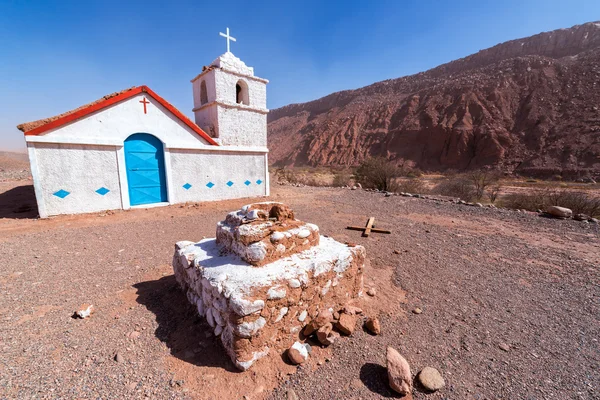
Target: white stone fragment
column 217, row 317
column 277, row 236
column 282, row 313
column 218, row 330
column 244, row 307
column 294, row 283
column 302, row 316
column 304, row 233
column 245, row 208
column 326, row 288
column 276, row 292
column 301, row 349
column 200, row 307
column 256, row 252
column 253, row 214
column 280, row 249
column 209, row 317
column 249, row 329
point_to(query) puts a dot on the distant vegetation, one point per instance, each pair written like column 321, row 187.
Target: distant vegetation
column 485, row 186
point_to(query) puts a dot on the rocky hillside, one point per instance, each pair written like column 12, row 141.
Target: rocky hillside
column 530, row 106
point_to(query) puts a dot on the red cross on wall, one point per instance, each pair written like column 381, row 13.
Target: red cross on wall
column 144, row 102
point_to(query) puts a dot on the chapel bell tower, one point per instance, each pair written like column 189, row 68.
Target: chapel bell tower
column 230, row 103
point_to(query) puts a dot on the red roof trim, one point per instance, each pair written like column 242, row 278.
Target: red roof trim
column 114, row 100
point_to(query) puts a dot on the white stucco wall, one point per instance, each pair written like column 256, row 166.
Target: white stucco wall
column 198, row 168
column 240, row 127
column 79, row 170
column 114, row 124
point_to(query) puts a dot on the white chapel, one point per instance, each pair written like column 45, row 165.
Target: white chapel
column 134, row 149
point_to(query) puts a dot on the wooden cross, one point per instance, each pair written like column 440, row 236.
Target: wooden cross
column 226, row 36
column 369, row 228
column 144, row 101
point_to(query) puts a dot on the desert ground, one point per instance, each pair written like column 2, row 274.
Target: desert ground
column 510, row 303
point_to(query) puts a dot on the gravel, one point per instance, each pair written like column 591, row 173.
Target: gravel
column 483, row 277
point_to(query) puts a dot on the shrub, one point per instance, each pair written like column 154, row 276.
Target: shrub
column 481, row 180
column 378, row 173
column 579, row 202
column 456, row 186
column 342, row 179
column 493, row 192
column 411, row 185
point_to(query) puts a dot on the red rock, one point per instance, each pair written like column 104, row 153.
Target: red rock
column 346, row 324
column 373, row 326
column 399, row 375
column 498, row 107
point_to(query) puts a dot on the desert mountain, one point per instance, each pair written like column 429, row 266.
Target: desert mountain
column 530, row 106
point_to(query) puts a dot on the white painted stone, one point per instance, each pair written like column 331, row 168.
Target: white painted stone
column 209, row 317
column 302, row 316
column 249, row 329
column 326, row 288
column 218, row 330
column 282, row 313
column 294, row 283
column 276, row 292
column 277, row 236
column 304, row 233
column 253, row 214
column 243, row 307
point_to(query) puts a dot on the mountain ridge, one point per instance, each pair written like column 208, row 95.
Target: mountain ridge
column 500, row 107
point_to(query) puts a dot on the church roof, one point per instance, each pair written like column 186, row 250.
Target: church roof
column 40, row 126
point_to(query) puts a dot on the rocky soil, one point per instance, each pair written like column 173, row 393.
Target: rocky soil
column 530, row 106
column 14, row 166
column 509, row 304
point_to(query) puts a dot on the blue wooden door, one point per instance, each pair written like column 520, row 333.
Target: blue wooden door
column 145, row 163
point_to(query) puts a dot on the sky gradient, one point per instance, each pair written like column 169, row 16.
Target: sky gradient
column 56, row 56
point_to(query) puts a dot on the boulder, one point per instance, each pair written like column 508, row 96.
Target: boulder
column 559, row 212
column 431, row 379
column 399, row 375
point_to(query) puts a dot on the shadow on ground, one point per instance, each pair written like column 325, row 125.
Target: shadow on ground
column 185, row 333
column 18, row 202
column 375, row 378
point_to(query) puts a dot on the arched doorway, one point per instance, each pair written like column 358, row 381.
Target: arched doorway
column 145, row 164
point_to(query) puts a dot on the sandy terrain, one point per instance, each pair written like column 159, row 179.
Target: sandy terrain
column 483, row 278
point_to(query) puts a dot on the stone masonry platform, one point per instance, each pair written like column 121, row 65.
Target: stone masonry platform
column 265, row 277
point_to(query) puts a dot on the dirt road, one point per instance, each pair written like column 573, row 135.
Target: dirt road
column 485, row 280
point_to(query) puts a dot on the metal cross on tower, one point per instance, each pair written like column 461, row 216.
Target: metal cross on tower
column 227, row 37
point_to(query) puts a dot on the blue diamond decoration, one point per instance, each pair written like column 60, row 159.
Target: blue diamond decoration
column 230, row 184
column 210, row 185
column 187, row 186
column 61, row 193
column 258, row 182
column 102, row 191
column 247, row 183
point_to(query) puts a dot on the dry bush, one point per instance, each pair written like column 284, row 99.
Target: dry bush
column 378, row 173
column 482, row 180
column 493, row 192
column 341, row 179
column 456, row 186
column 412, row 185
column 579, row 202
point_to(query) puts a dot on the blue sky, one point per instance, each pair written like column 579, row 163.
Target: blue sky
column 55, row 56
